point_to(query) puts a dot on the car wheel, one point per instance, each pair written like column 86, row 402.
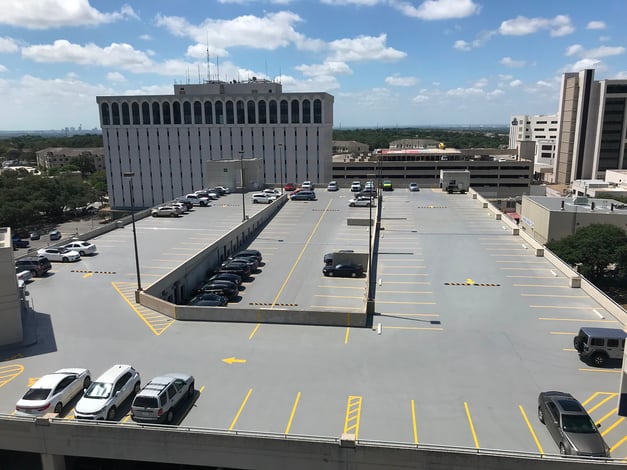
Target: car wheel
column 34, row 273
column 353, row 274
column 65, row 260
column 330, row 273
column 540, row 415
column 351, row 205
column 190, row 390
column 111, row 414
column 598, row 359
column 563, row 450
column 82, row 253
column 154, row 215
column 172, row 214
column 136, row 388
column 169, row 417
column 58, row 408
column 255, row 201
column 87, row 382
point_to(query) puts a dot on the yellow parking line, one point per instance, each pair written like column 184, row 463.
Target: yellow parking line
column 618, row 444
column 602, row 402
column 254, row 331
column 472, row 427
column 611, row 412
column 606, row 371
column 562, row 333
column 353, row 415
column 126, row 418
column 340, row 296
column 348, row 330
column 541, row 285
column 562, row 307
column 201, row 389
column 576, row 319
column 533, row 434
column 612, row 426
column 413, row 421
column 250, row 390
column 289, row 422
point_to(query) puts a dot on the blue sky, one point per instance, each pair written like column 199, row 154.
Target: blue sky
column 387, row 62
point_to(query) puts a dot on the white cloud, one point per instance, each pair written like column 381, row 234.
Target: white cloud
column 503, row 76
column 521, row 26
column 509, row 62
column 8, row 45
column 596, row 25
column 464, row 92
column 327, row 68
column 45, row 14
column 515, row 83
column 603, row 51
column 116, row 77
column 462, row 45
column 368, row 3
column 481, row 83
column 3, row 68
column 420, row 99
column 396, row 80
column 574, row 49
column 437, row 9
column 364, row 48
column 545, row 84
column 583, row 64
column 146, row 37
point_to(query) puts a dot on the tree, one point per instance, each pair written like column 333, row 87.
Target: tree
column 594, row 248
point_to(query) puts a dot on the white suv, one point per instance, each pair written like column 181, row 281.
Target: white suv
column 161, row 396
column 105, row 394
column 307, row 186
column 262, row 198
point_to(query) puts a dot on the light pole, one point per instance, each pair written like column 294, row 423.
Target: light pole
column 370, row 176
column 130, row 175
column 281, row 164
column 241, row 177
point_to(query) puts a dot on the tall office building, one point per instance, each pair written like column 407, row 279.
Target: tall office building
column 593, row 127
column 534, row 138
column 164, row 140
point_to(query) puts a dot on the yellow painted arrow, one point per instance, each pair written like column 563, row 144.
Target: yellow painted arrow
column 469, row 281
column 231, row 360
column 87, row 275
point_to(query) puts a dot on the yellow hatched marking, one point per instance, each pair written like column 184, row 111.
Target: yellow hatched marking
column 32, row 380
column 533, row 433
column 612, row 426
column 156, row 322
column 353, row 415
column 602, row 402
column 611, row 412
column 618, row 444
column 8, row 373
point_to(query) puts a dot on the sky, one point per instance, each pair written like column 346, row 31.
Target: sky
column 388, row 63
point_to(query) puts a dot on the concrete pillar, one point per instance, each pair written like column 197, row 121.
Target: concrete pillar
column 52, row 462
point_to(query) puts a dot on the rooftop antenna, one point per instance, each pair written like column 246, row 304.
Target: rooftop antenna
column 218, row 66
column 208, row 60
column 199, row 77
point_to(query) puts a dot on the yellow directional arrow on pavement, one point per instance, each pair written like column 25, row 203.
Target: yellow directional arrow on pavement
column 469, row 281
column 231, row 360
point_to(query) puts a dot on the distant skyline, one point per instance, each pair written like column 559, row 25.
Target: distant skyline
column 388, row 63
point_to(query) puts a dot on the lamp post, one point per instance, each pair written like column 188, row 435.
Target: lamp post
column 281, row 164
column 130, row 175
column 241, row 177
column 370, row 176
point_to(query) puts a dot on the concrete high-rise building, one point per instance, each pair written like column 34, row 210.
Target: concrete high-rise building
column 593, row 127
column 165, row 140
column 534, row 137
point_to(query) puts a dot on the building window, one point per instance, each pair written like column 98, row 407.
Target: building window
column 273, row 112
column 306, row 112
column 295, row 112
column 167, row 119
column 156, row 113
column 284, row 113
column 219, row 112
column 145, row 113
column 115, row 110
column 230, row 116
column 126, row 116
column 187, row 112
column 317, row 112
column 135, row 113
column 106, row 120
column 251, row 112
column 240, row 112
column 262, row 112
column 176, row 110
column 208, row 113
column 197, row 112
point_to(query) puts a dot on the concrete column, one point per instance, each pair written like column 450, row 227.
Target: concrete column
column 52, row 462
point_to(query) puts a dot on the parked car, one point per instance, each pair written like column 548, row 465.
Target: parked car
column 188, row 203
column 224, row 288
column 303, row 196
column 23, row 275
column 234, row 278
column 355, row 186
column 262, row 198
column 307, row 186
column 37, row 265
column 367, row 192
column 83, row 247
column 332, row 186
column 387, row 185
column 20, row 243
column 59, row 254
column 599, row 346
column 205, row 299
column 198, row 200
column 104, row 396
column 289, row 187
column 224, row 189
column 54, row 235
column 569, row 425
column 414, row 187
column 241, row 269
column 164, row 211
column 180, row 207
column 250, row 261
column 52, row 392
column 35, row 236
column 361, row 201
column 248, row 253
column 343, row 270
column 369, row 186
column 160, row 397
column 210, row 194
column 272, row 192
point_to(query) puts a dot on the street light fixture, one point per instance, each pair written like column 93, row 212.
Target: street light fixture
column 130, row 175
column 241, row 177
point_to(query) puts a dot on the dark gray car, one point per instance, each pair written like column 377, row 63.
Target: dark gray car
column 570, row 426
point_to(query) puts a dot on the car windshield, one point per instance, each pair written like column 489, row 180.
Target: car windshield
column 98, row 390
column 37, row 394
column 578, row 424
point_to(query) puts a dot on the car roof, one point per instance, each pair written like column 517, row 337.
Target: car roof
column 53, row 379
column 612, row 333
column 111, row 375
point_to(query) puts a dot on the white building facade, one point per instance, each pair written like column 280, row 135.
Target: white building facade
column 164, row 139
column 536, row 134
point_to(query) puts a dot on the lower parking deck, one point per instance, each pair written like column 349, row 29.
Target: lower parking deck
column 469, row 325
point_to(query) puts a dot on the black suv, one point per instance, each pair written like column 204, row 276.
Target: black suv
column 38, row 265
